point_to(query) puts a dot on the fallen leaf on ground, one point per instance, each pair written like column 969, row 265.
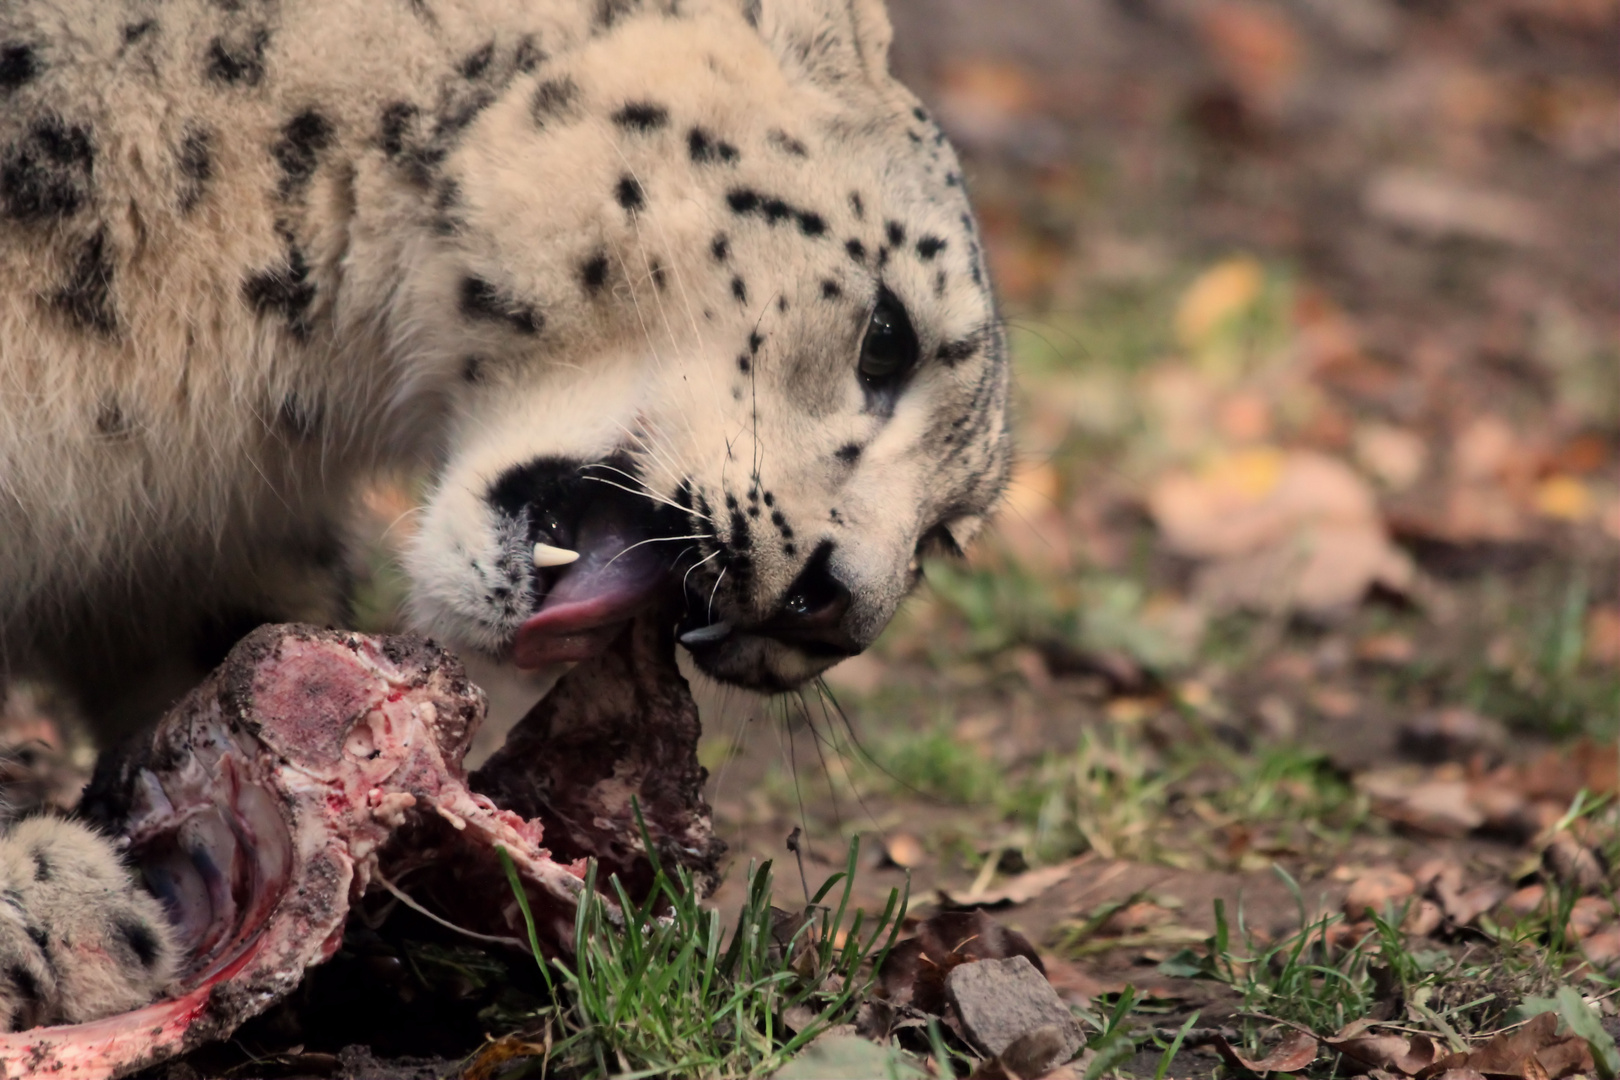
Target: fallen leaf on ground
column 1450, row 734
column 1017, row 890
column 1296, row 1051
column 903, row 850
column 1532, row 1051
column 1574, row 863
column 1222, row 292
column 1437, row 206
column 1377, row 890
column 1442, row 807
column 1406, row 1055
column 1280, row 530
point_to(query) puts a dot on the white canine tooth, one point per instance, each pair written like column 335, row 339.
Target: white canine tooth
column 545, row 555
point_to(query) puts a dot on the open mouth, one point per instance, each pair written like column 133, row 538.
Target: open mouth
column 602, row 552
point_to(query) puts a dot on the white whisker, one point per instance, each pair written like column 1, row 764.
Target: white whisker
column 656, row 540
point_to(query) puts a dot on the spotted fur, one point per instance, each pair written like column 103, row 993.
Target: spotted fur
column 251, row 252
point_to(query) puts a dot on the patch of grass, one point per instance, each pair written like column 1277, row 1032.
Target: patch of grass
column 1088, row 613
column 935, row 764
column 669, row 993
column 1543, row 684
column 1113, row 796
column 1107, row 797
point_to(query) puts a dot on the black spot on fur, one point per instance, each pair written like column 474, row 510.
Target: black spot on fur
column 283, row 290
column 111, row 423
column 628, row 193
column 141, row 941
column 195, row 160
column 19, row 65
column 593, row 272
column 87, row 298
column 398, row 118
column 482, row 300
column 744, row 365
column 830, row 289
column 460, row 111
column 787, row 143
column 477, row 62
column 528, row 55
column 754, row 342
column 896, row 233
column 953, row 179
column 857, row 205
column 929, row 246
column 642, row 116
column 299, row 148
column 27, row 987
column 774, row 210
column 954, row 352
column 782, row 304
column 472, row 369
column 46, row 174
column 609, row 12
column 849, row 453
column 750, row 13
column 720, row 248
column 939, row 283
column 659, row 275
column 705, row 149
column 240, row 61
column 915, row 138
column 739, row 289
column 43, row 871
column 856, row 249
column 917, row 111
column 770, row 498
column 40, row 936
column 554, row 98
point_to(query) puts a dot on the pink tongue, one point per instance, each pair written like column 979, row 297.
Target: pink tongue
column 595, row 596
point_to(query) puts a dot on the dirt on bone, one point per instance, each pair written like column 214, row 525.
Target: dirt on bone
column 313, row 765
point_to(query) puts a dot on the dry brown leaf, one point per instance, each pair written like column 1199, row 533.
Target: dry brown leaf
column 1256, row 47
column 1603, row 950
column 1296, row 1051
column 1574, row 863
column 1534, row 1051
column 1442, row 807
column 1438, row 206
column 1017, row 890
column 1377, row 890
column 904, row 850
column 1405, row 1055
column 1283, row 530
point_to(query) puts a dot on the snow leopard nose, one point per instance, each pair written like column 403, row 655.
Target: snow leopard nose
column 811, row 615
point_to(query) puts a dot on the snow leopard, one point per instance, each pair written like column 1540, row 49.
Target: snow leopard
column 668, row 297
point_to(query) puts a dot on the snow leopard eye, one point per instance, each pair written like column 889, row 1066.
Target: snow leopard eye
column 889, row 350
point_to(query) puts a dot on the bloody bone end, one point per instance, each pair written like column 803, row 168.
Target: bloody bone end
column 313, row 763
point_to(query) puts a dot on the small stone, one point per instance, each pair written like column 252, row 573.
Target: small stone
column 1002, row 1001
